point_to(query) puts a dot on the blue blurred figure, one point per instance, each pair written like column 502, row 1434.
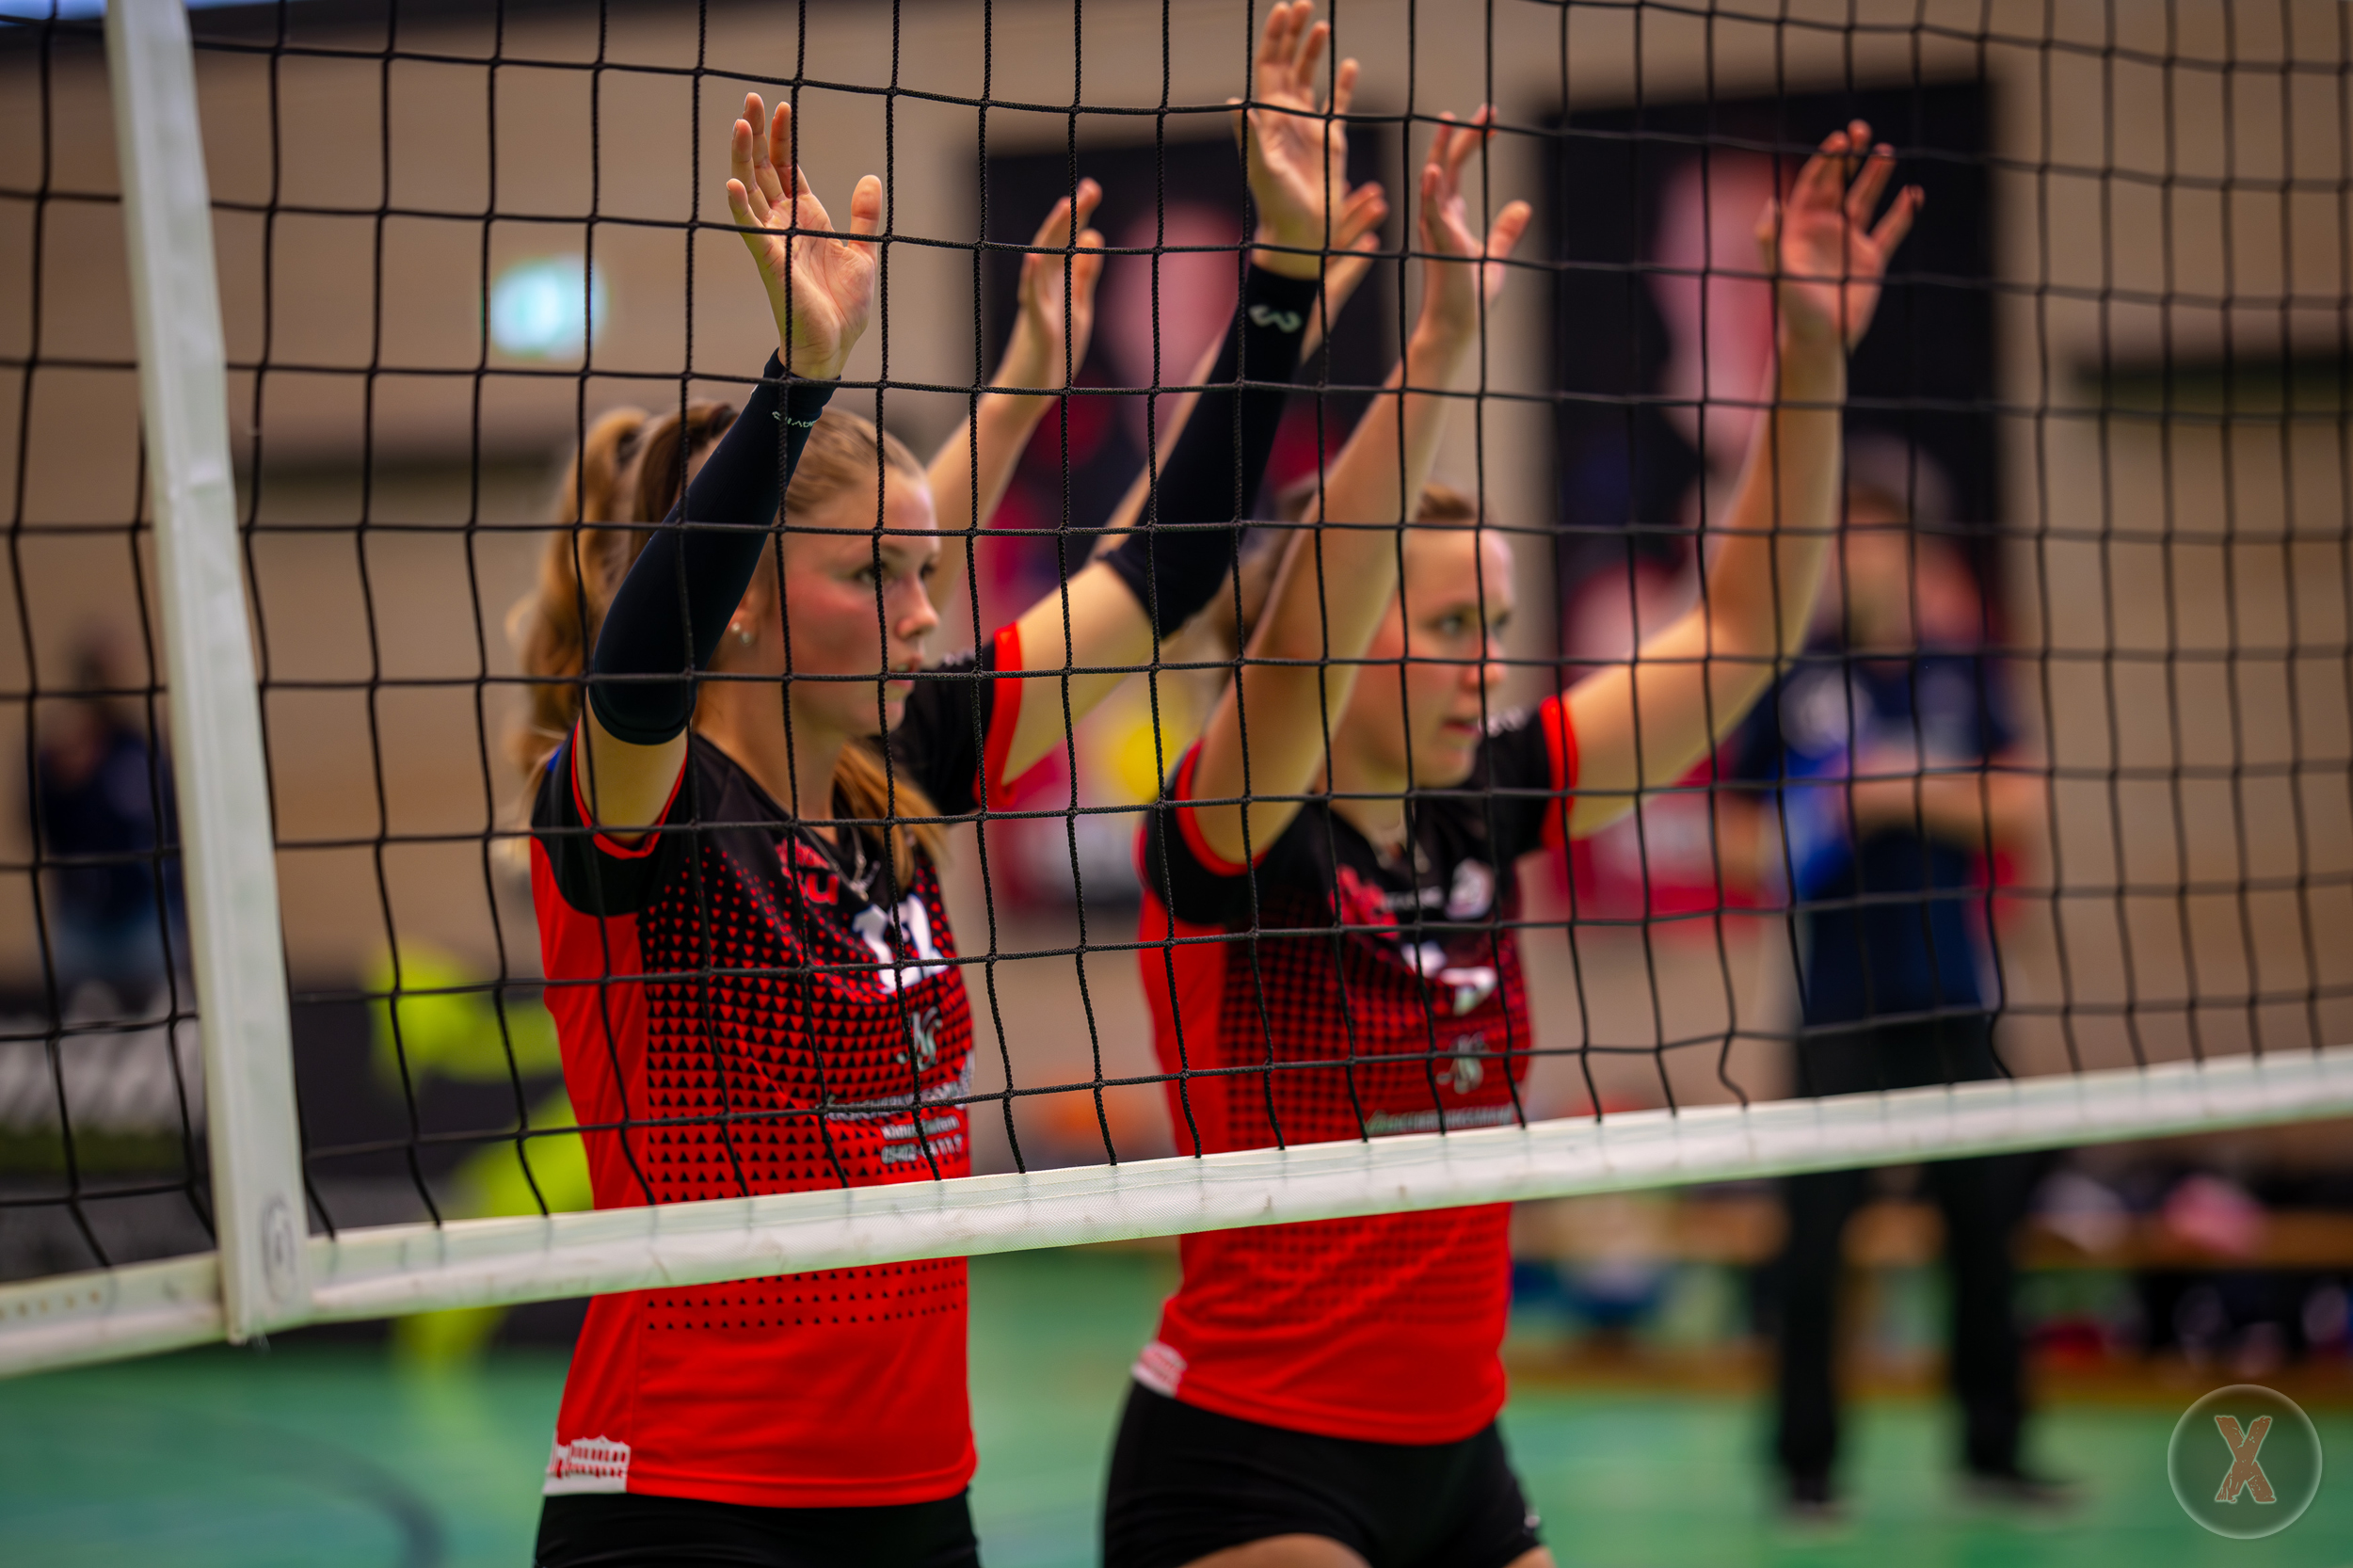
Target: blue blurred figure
column 103, row 818
column 1884, row 751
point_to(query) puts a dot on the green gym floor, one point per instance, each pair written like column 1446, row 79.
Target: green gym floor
column 324, row 1454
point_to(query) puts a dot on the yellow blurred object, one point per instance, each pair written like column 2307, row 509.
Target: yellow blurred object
column 434, row 1019
column 444, row 1021
column 1134, row 758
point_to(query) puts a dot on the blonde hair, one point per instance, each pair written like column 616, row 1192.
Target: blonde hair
column 630, row 470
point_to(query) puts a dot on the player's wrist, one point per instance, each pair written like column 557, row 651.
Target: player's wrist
column 1287, row 254
column 1809, row 367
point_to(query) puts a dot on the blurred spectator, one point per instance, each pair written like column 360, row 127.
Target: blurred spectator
column 1878, row 748
column 103, row 818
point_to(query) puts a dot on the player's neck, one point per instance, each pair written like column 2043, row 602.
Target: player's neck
column 1365, row 796
column 795, row 768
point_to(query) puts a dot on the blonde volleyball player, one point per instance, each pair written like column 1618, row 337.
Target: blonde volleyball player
column 1324, row 1395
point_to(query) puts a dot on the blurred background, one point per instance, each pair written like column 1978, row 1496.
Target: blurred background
column 2111, row 380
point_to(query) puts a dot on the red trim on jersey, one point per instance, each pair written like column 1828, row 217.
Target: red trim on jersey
column 1188, row 824
column 648, row 842
column 1552, row 717
column 596, row 1018
column 1005, row 716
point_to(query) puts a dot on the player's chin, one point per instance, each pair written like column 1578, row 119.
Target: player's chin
column 1450, row 754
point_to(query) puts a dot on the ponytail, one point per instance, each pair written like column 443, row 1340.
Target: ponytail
column 551, row 626
column 862, row 789
column 630, row 468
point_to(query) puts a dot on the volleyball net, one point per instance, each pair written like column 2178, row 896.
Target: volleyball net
column 301, row 375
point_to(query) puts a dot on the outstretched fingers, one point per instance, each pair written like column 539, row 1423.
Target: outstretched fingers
column 746, row 199
column 1822, row 182
column 765, row 176
column 1897, row 223
column 1510, row 225
column 1365, row 209
column 1087, row 265
column 1308, row 55
column 866, row 204
column 739, row 205
column 1054, row 233
column 1862, row 197
column 1275, row 45
column 784, row 166
column 1435, row 169
column 1343, row 87
column 1470, row 138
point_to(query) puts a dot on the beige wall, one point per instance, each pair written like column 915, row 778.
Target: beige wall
column 2130, row 534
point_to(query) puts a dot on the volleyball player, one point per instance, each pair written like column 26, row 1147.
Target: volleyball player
column 747, row 955
column 1324, row 877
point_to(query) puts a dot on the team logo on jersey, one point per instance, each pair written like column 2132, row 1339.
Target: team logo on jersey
column 1467, row 1071
column 1474, row 890
column 821, row 885
column 588, row 1465
column 1360, row 902
column 914, row 941
column 923, row 1039
column 1468, row 985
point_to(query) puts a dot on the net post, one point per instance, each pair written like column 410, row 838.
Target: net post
column 232, row 876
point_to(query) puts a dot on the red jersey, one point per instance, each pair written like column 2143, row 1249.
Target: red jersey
column 746, row 1009
column 1385, row 999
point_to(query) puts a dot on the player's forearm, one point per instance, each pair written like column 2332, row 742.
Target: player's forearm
column 971, row 472
column 1693, row 683
column 1174, row 563
column 1175, row 408
column 1763, row 583
column 1990, row 808
column 1375, row 483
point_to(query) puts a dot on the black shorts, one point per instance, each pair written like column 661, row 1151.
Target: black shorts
column 620, row 1530
column 1186, row 1482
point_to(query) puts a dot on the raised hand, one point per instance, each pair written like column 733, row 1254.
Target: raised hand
column 1052, row 285
column 1459, row 274
column 1818, row 244
column 1297, row 156
column 821, row 286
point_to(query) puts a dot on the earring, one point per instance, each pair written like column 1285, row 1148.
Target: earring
column 745, row 636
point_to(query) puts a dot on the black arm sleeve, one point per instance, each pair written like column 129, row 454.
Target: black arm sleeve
column 1213, row 476
column 669, row 612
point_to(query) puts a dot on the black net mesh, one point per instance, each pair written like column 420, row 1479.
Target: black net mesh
column 2057, row 782
column 102, row 1095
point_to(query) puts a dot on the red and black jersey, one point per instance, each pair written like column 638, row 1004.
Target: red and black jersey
column 744, row 1008
column 1336, row 993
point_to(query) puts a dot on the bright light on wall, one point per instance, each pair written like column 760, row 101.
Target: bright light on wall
column 547, row 307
